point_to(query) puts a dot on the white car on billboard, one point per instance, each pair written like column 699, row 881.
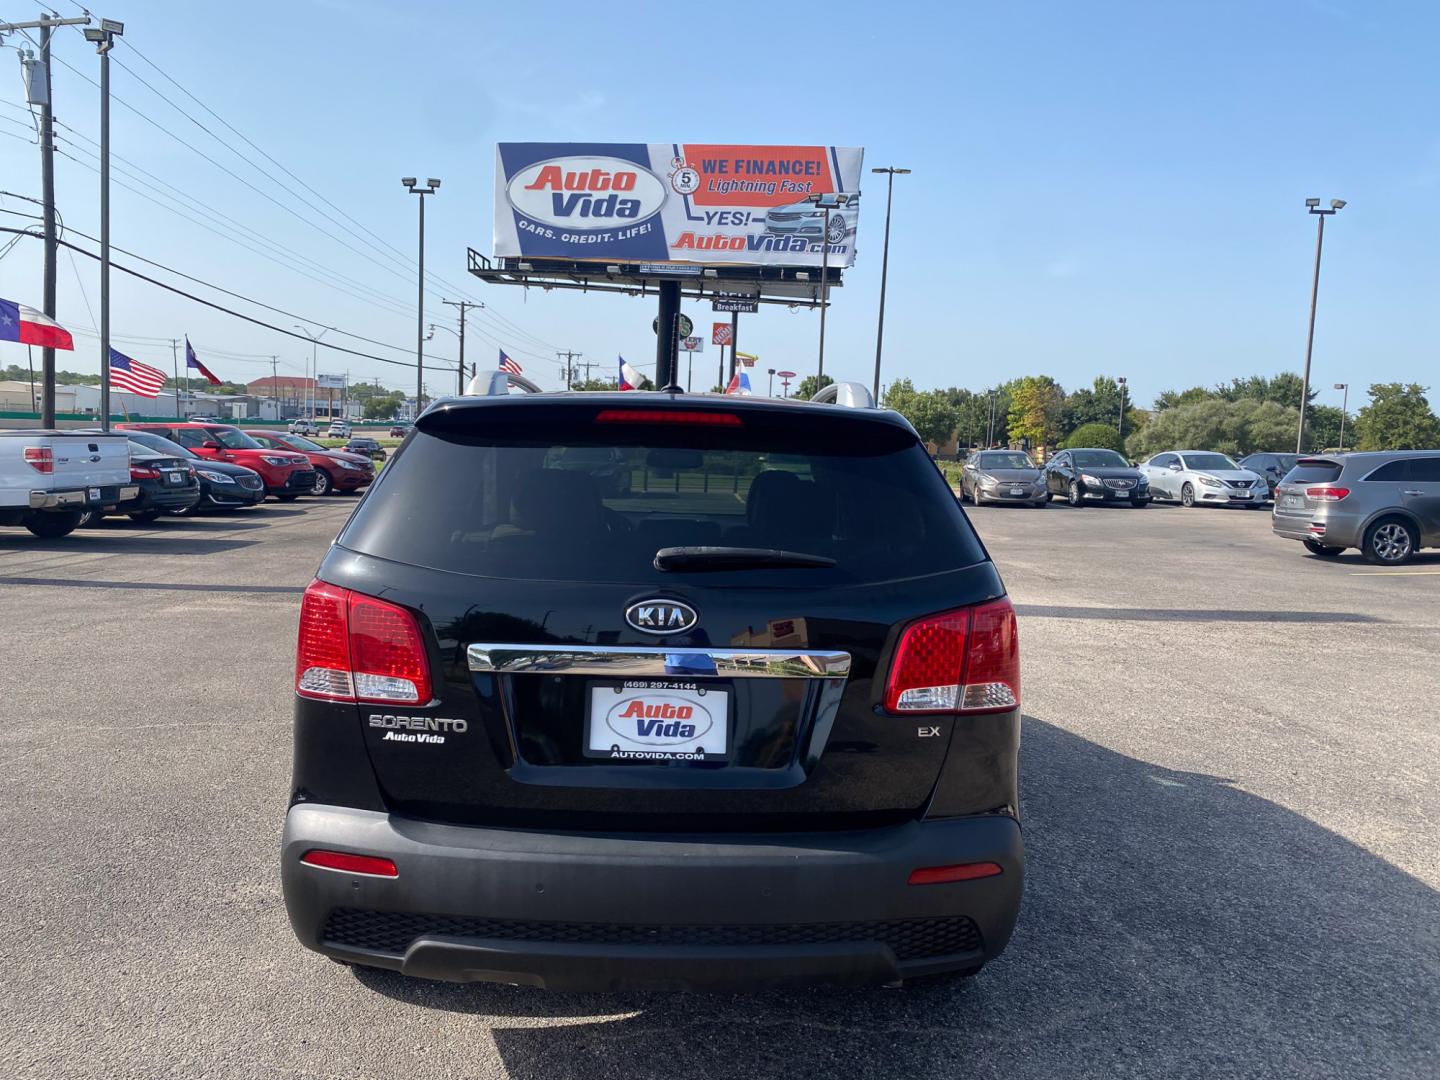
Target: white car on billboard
column 805, row 219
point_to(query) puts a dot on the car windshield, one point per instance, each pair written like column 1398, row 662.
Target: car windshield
column 1007, row 460
column 1099, row 459
column 159, row 444
column 233, row 439
column 301, row 443
column 1209, row 461
column 510, row 501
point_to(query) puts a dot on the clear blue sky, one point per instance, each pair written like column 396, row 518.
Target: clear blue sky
column 1098, row 188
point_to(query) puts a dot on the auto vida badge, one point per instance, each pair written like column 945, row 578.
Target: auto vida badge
column 661, row 616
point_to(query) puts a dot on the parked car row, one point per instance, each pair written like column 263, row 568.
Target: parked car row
column 52, row 482
column 1385, row 504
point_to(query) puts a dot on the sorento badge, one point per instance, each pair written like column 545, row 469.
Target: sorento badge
column 661, row 616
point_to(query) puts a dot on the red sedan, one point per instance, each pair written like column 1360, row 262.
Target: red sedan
column 335, row 470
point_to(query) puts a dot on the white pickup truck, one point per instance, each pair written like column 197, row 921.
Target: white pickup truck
column 48, row 479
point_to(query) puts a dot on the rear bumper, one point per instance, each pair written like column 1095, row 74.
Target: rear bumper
column 610, row 912
column 1329, row 530
column 80, row 498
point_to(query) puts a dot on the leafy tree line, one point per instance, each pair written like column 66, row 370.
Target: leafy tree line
column 1239, row 417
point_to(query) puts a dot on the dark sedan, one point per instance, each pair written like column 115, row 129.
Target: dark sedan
column 223, row 485
column 1095, row 475
column 1007, row 476
column 1272, row 467
column 365, row 447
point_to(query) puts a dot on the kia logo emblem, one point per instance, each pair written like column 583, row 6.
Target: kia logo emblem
column 661, row 616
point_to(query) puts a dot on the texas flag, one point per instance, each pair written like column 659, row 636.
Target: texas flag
column 29, row 327
column 629, row 377
column 192, row 361
column 739, row 384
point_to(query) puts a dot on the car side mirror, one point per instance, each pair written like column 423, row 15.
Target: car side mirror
column 1175, row 466
column 210, row 444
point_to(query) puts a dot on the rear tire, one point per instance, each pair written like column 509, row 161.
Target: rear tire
column 1076, row 497
column 1317, row 548
column 51, row 525
column 1390, row 542
column 1187, row 496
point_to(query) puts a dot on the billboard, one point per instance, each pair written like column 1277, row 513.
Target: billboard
column 330, row 382
column 695, row 203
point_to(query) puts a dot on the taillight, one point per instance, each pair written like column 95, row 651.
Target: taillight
column 1327, row 494
column 138, row 472
column 40, row 458
column 959, row 661
column 668, row 416
column 357, row 648
column 351, row 864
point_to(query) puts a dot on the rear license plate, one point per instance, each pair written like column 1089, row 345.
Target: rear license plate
column 175, row 478
column 94, row 494
column 657, row 720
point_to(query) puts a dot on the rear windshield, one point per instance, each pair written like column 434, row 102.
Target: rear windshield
column 1313, row 472
column 595, row 502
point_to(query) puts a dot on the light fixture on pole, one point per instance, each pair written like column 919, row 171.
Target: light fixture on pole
column 826, row 201
column 1121, row 381
column 314, row 366
column 1344, row 407
column 103, row 38
column 891, row 172
column 431, row 186
column 1313, row 205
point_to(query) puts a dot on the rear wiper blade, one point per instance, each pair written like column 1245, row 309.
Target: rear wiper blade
column 737, row 558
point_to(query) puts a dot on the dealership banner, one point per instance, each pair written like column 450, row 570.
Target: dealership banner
column 675, row 202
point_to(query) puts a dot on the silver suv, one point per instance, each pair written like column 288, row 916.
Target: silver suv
column 1386, row 504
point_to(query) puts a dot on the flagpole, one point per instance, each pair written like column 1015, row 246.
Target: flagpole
column 175, row 367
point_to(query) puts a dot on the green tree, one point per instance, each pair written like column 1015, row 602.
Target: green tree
column 930, row 412
column 1229, row 427
column 1171, row 399
column 1398, row 417
column 811, row 385
column 1098, row 435
column 377, row 408
column 1098, row 404
column 1036, row 407
column 1282, row 389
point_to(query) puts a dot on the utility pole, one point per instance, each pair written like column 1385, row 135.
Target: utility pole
column 47, row 195
column 175, row 367
column 463, row 305
column 275, row 384
column 569, row 367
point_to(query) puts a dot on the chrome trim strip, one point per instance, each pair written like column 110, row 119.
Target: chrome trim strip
column 622, row 661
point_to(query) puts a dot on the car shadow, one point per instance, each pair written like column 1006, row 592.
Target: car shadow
column 93, row 542
column 1173, row 925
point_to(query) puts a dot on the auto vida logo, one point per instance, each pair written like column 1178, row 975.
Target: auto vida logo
column 661, row 616
column 586, row 192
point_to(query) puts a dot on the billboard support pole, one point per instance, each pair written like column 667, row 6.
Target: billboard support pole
column 734, row 340
column 666, row 334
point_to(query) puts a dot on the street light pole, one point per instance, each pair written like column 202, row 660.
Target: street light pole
column 1121, row 381
column 103, row 38
column 1344, row 408
column 1313, row 205
column 891, row 172
column 431, row 186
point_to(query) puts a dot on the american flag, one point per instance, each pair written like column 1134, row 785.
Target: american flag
column 133, row 377
column 510, row 367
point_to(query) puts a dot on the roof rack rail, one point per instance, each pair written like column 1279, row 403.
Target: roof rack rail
column 852, row 395
column 498, row 383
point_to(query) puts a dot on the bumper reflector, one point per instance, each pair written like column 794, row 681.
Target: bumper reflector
column 938, row 875
column 351, row 864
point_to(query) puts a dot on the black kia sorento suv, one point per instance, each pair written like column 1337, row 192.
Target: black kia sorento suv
column 750, row 717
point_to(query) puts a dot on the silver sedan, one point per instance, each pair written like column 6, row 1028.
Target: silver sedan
column 1002, row 476
column 1203, row 478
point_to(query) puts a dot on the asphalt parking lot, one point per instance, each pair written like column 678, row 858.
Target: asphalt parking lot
column 1230, row 775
